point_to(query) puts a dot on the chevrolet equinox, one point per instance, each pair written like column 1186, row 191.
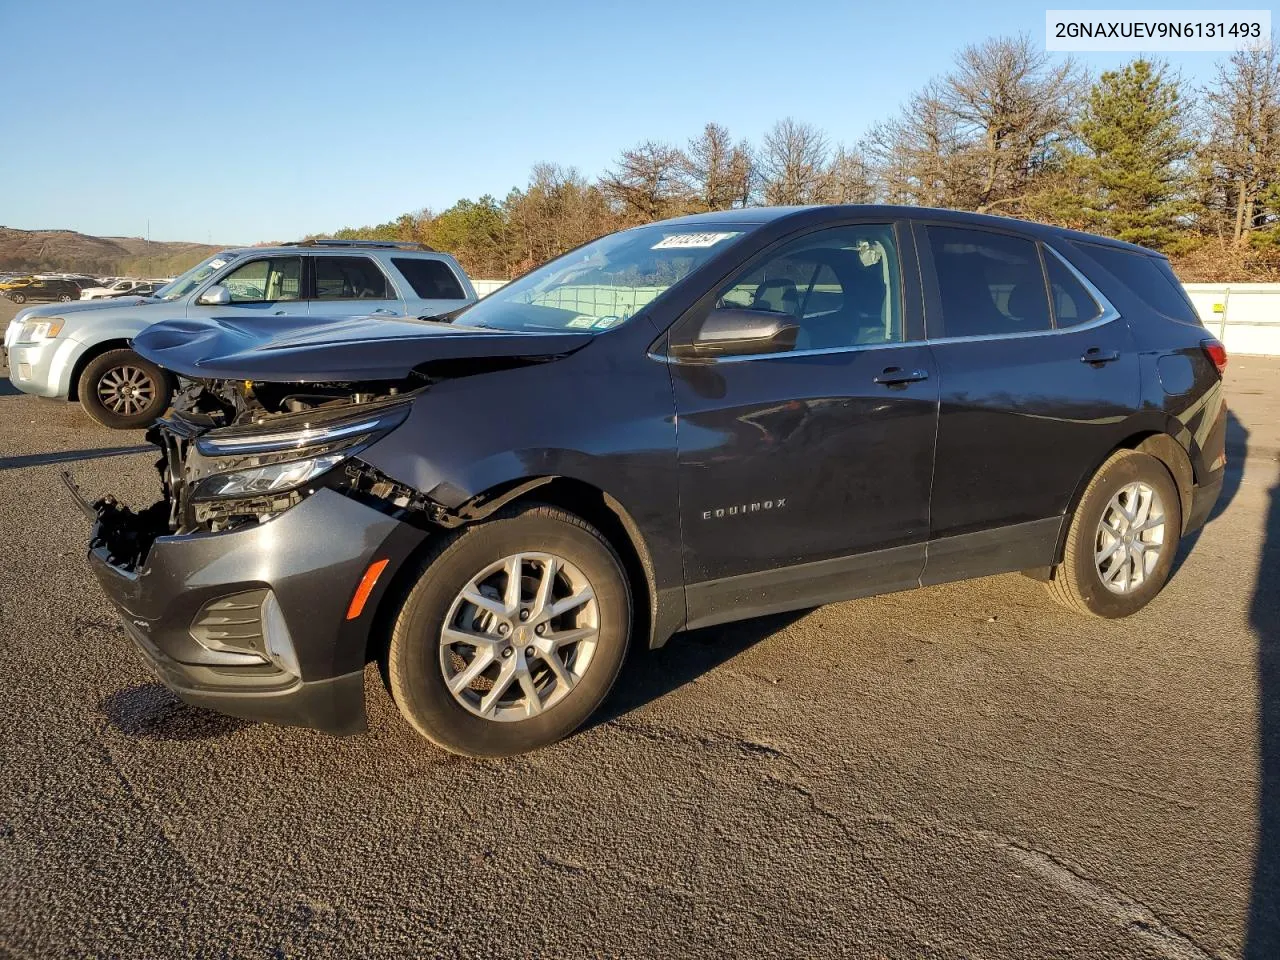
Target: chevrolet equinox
column 677, row 425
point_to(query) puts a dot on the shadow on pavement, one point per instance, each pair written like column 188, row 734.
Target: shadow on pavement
column 150, row 711
column 7, row 389
column 650, row 674
column 67, row 456
column 1263, row 936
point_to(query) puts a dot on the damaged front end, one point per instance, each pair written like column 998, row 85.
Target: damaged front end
column 238, row 453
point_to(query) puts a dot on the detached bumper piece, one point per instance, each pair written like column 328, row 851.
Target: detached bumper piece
column 252, row 622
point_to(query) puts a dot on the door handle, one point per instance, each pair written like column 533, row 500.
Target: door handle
column 896, row 376
column 1098, row 356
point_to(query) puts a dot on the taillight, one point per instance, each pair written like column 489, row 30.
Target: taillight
column 1215, row 351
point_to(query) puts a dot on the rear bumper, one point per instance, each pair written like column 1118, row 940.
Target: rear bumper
column 277, row 594
column 1203, row 498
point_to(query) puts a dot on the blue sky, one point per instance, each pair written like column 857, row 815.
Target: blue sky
column 234, row 122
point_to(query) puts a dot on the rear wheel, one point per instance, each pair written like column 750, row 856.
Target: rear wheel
column 121, row 390
column 513, row 634
column 65, row 298
column 1122, row 539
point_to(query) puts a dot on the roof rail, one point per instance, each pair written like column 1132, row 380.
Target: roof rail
column 367, row 244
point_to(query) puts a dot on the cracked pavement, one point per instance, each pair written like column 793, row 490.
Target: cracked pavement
column 961, row 771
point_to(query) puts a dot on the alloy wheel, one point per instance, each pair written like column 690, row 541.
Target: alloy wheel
column 1130, row 538
column 126, row 390
column 519, row 636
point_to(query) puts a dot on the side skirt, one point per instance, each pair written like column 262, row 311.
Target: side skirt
column 1019, row 546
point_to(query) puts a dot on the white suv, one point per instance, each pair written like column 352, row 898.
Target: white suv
column 82, row 351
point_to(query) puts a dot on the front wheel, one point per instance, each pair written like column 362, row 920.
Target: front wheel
column 513, row 634
column 18, row 297
column 1122, row 539
column 121, row 390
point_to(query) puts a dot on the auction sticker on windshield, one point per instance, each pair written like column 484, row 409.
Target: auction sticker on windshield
column 690, row 240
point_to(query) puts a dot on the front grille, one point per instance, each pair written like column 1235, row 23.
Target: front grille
column 232, row 624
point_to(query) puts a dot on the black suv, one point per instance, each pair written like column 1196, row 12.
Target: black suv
column 45, row 290
column 678, row 425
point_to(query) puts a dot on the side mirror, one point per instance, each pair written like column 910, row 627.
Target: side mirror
column 736, row 332
column 215, row 296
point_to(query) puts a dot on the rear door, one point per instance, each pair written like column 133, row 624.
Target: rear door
column 261, row 287
column 352, row 285
column 432, row 286
column 804, row 475
column 1038, row 376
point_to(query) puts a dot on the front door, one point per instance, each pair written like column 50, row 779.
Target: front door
column 261, row 288
column 805, row 475
column 1035, row 392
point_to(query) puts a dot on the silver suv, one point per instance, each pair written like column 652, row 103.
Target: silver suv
column 82, row 351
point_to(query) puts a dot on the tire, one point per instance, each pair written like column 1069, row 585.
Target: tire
column 1078, row 581
column 417, row 658
column 65, row 298
column 104, row 380
column 18, row 297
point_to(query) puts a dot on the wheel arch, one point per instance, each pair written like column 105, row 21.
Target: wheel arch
column 578, row 497
column 89, row 355
column 1154, row 442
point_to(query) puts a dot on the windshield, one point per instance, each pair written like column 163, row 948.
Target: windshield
column 601, row 285
column 185, row 284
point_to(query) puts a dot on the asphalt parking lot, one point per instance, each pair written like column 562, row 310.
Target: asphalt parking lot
column 962, row 771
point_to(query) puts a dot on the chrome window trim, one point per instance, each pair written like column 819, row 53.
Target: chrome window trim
column 1109, row 314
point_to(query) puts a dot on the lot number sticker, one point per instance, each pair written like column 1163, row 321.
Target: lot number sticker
column 690, row 241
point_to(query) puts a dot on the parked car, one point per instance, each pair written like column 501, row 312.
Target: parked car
column 83, row 351
column 124, row 285
column 44, row 290
column 682, row 424
column 14, row 282
column 144, row 289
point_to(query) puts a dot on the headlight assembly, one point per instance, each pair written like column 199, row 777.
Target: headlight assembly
column 44, row 328
column 263, row 460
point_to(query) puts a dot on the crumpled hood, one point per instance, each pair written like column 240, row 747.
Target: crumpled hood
column 316, row 350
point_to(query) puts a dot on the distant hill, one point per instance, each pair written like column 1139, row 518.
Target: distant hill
column 65, row 251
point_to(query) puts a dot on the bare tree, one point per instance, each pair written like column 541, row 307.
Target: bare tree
column 847, row 179
column 708, row 169
column 647, row 184
column 918, row 158
column 792, row 162
column 744, row 174
column 1011, row 105
column 1242, row 110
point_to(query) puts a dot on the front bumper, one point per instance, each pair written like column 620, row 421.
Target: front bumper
column 43, row 369
column 300, row 571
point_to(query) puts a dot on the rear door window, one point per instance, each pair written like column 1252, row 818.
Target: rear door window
column 430, row 279
column 350, row 278
column 990, row 284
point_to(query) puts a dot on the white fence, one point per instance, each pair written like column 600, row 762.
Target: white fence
column 1244, row 316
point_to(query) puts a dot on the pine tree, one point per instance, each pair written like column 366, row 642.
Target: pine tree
column 1132, row 156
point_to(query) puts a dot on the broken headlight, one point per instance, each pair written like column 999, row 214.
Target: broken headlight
column 261, row 461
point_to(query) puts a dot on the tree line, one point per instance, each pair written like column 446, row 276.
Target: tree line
column 1135, row 153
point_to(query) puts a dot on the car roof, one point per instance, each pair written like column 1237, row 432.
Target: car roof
column 813, row 215
column 392, row 247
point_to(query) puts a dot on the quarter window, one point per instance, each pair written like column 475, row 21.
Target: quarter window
column 841, row 286
column 350, row 278
column 989, row 283
column 1072, row 303
column 270, row 279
